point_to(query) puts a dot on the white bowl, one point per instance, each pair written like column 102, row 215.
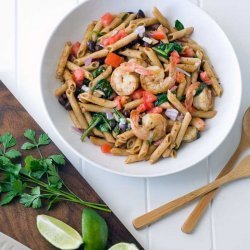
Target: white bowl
column 206, row 32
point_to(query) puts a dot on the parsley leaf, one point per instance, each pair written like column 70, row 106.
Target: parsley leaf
column 12, row 154
column 28, row 145
column 58, row 159
column 8, row 198
column 7, row 140
column 43, row 140
column 30, row 134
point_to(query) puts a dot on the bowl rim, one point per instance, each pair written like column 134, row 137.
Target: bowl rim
column 82, row 157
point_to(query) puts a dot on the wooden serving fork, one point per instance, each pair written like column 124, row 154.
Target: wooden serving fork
column 242, row 170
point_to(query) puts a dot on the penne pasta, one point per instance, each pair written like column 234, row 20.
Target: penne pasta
column 163, row 20
column 144, row 149
column 181, row 33
column 96, row 30
column 99, row 142
column 86, row 37
column 133, row 104
column 119, row 152
column 77, row 111
column 63, row 60
column 94, row 108
column 133, row 54
column 136, row 147
column 74, row 119
column 153, row 57
column 176, row 103
column 61, row 89
column 103, row 75
column 96, row 100
column 204, row 114
column 91, row 66
column 188, row 67
column 116, row 21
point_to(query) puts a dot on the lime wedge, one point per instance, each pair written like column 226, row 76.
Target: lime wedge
column 58, row 233
column 123, row 246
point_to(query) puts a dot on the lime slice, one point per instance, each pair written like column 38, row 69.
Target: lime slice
column 58, row 233
column 123, row 246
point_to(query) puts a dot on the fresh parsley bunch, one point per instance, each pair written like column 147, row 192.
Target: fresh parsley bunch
column 37, row 180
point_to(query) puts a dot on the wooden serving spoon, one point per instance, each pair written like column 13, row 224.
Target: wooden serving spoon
column 200, row 208
column 242, row 170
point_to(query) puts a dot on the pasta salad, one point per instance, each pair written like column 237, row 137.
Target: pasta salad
column 137, row 86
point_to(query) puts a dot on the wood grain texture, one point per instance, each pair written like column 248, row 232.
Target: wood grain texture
column 20, row 222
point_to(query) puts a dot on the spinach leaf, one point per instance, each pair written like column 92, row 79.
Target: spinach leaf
column 161, row 98
column 200, row 89
column 105, row 87
column 179, row 25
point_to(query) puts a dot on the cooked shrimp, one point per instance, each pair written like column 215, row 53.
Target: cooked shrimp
column 125, row 78
column 155, row 83
column 198, row 123
column 191, row 90
column 204, row 101
column 153, row 126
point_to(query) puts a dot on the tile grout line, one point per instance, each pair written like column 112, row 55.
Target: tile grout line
column 147, row 207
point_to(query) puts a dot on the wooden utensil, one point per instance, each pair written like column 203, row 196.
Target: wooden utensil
column 242, row 170
column 200, row 208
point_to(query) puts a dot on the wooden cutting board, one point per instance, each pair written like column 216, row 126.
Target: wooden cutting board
column 19, row 222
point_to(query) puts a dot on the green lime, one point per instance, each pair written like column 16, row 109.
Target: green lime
column 123, row 246
column 94, row 230
column 58, row 233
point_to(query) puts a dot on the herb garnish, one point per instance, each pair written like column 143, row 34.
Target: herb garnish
column 37, row 180
column 179, row 25
column 165, row 49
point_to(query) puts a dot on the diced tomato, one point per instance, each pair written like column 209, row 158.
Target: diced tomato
column 75, row 48
column 106, row 148
column 205, row 78
column 149, row 97
column 142, row 108
column 189, row 52
column 137, row 94
column 180, row 77
column 149, row 105
column 156, row 110
column 175, row 57
column 116, row 37
column 106, row 19
column 158, row 35
column 114, row 60
column 78, row 76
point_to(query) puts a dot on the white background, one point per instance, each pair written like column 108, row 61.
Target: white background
column 25, row 26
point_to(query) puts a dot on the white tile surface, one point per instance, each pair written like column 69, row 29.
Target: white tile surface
column 27, row 25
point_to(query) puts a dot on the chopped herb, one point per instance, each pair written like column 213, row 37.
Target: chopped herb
column 200, row 89
column 179, row 25
column 95, row 120
column 161, row 98
column 105, row 87
column 165, row 49
column 37, row 180
column 98, row 71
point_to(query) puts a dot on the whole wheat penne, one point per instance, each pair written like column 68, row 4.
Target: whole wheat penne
column 153, row 57
column 71, row 66
column 135, row 158
column 181, row 89
column 162, row 59
column 136, row 148
column 96, row 100
column 98, row 54
column 109, row 137
column 215, row 84
column 181, row 33
column 130, row 142
column 184, row 125
column 119, row 152
column 84, row 43
column 190, row 60
column 188, row 67
column 166, row 105
column 61, row 89
column 204, row 114
column 160, row 149
column 195, row 74
column 162, row 19
column 94, row 108
column 116, row 21
column 91, row 66
column 145, row 21
column 99, row 142
column 74, row 119
column 96, row 30
column 144, row 148
column 122, row 138
column 63, row 60
column 167, row 152
column 176, row 103
column 122, row 42
column 133, row 104
column 133, row 53
column 76, row 109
